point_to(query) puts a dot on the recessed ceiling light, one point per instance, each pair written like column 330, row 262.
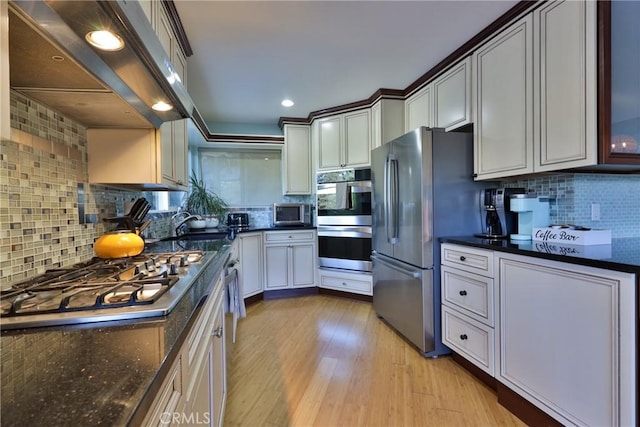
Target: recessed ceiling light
column 162, row 106
column 287, row 103
column 105, row 40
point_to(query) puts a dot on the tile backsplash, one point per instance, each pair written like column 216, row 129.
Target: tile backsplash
column 45, row 165
column 41, row 171
column 618, row 197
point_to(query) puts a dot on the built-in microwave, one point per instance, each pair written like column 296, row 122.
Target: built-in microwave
column 291, row 214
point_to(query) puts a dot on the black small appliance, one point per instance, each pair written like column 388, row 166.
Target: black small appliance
column 237, row 220
column 497, row 219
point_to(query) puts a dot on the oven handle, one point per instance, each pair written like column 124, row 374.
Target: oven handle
column 354, row 187
column 337, row 231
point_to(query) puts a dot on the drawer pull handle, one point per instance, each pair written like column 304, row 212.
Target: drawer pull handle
column 462, row 258
column 463, row 337
column 344, row 284
column 463, row 293
column 217, row 332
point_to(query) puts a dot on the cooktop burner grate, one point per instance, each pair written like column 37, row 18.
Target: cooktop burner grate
column 98, row 284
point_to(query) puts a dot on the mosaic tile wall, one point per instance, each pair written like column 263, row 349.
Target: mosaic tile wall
column 41, row 172
column 617, row 195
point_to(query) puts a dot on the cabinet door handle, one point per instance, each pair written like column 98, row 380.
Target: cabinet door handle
column 462, row 258
column 217, row 332
column 463, row 337
column 463, row 293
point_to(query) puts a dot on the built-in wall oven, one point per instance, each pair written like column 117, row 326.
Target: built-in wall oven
column 343, row 200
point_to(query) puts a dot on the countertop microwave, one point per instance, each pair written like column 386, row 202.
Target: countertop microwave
column 291, row 214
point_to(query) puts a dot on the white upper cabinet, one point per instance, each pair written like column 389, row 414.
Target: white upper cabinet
column 387, row 121
column 503, row 108
column 344, row 140
column 297, row 175
column 565, row 48
column 5, row 122
column 418, row 109
column 134, row 157
column 452, row 97
column 535, row 88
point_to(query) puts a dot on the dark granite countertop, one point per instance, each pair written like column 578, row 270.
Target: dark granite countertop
column 623, row 254
column 99, row 373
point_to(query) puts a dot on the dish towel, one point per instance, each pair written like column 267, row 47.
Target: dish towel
column 343, row 195
column 235, row 302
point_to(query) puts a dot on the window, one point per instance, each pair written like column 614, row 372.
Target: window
column 243, row 177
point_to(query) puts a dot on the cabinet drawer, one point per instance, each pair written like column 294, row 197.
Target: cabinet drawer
column 169, row 397
column 359, row 284
column 280, row 236
column 469, row 338
column 470, row 293
column 477, row 261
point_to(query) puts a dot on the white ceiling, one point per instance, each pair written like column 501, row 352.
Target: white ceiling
column 249, row 55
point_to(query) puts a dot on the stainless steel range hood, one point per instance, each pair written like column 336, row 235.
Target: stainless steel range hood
column 95, row 88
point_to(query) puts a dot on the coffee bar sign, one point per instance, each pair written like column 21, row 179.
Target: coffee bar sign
column 570, row 236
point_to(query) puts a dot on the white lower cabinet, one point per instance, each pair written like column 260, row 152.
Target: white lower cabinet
column 289, row 259
column 194, row 392
column 568, row 339
column 250, row 253
column 357, row 283
column 562, row 336
column 467, row 294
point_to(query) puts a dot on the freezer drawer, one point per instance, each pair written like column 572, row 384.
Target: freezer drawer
column 402, row 296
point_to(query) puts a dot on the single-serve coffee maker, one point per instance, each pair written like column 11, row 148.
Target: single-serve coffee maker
column 497, row 219
column 532, row 211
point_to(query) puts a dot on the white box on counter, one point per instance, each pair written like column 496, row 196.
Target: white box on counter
column 581, row 251
column 572, row 237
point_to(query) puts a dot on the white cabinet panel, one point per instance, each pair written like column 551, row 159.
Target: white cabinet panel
column 418, row 110
column 359, row 283
column 503, row 110
column 566, row 83
column 472, row 340
column 251, row 269
column 290, row 259
column 297, row 175
column 452, row 97
column 567, row 339
column 344, row 140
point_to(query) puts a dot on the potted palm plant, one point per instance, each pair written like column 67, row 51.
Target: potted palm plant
column 204, row 202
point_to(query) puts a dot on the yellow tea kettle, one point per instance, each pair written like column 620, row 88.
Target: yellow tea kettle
column 118, row 244
column 121, row 242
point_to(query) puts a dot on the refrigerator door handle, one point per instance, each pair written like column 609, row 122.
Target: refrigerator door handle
column 414, row 274
column 391, row 198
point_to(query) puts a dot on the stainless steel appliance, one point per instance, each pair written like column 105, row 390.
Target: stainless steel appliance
column 498, row 220
column 291, row 214
column 344, row 201
column 146, row 285
column 422, row 190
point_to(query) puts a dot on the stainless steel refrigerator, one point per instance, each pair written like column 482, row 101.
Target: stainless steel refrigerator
column 423, row 189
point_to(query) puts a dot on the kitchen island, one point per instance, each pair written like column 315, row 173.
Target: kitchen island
column 102, row 373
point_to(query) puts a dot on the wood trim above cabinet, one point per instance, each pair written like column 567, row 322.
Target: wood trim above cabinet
column 176, row 25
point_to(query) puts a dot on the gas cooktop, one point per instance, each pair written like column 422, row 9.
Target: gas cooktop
column 146, row 285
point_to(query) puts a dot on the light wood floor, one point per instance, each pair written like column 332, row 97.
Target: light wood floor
column 328, row 361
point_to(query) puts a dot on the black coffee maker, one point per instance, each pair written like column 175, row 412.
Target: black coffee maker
column 497, row 219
